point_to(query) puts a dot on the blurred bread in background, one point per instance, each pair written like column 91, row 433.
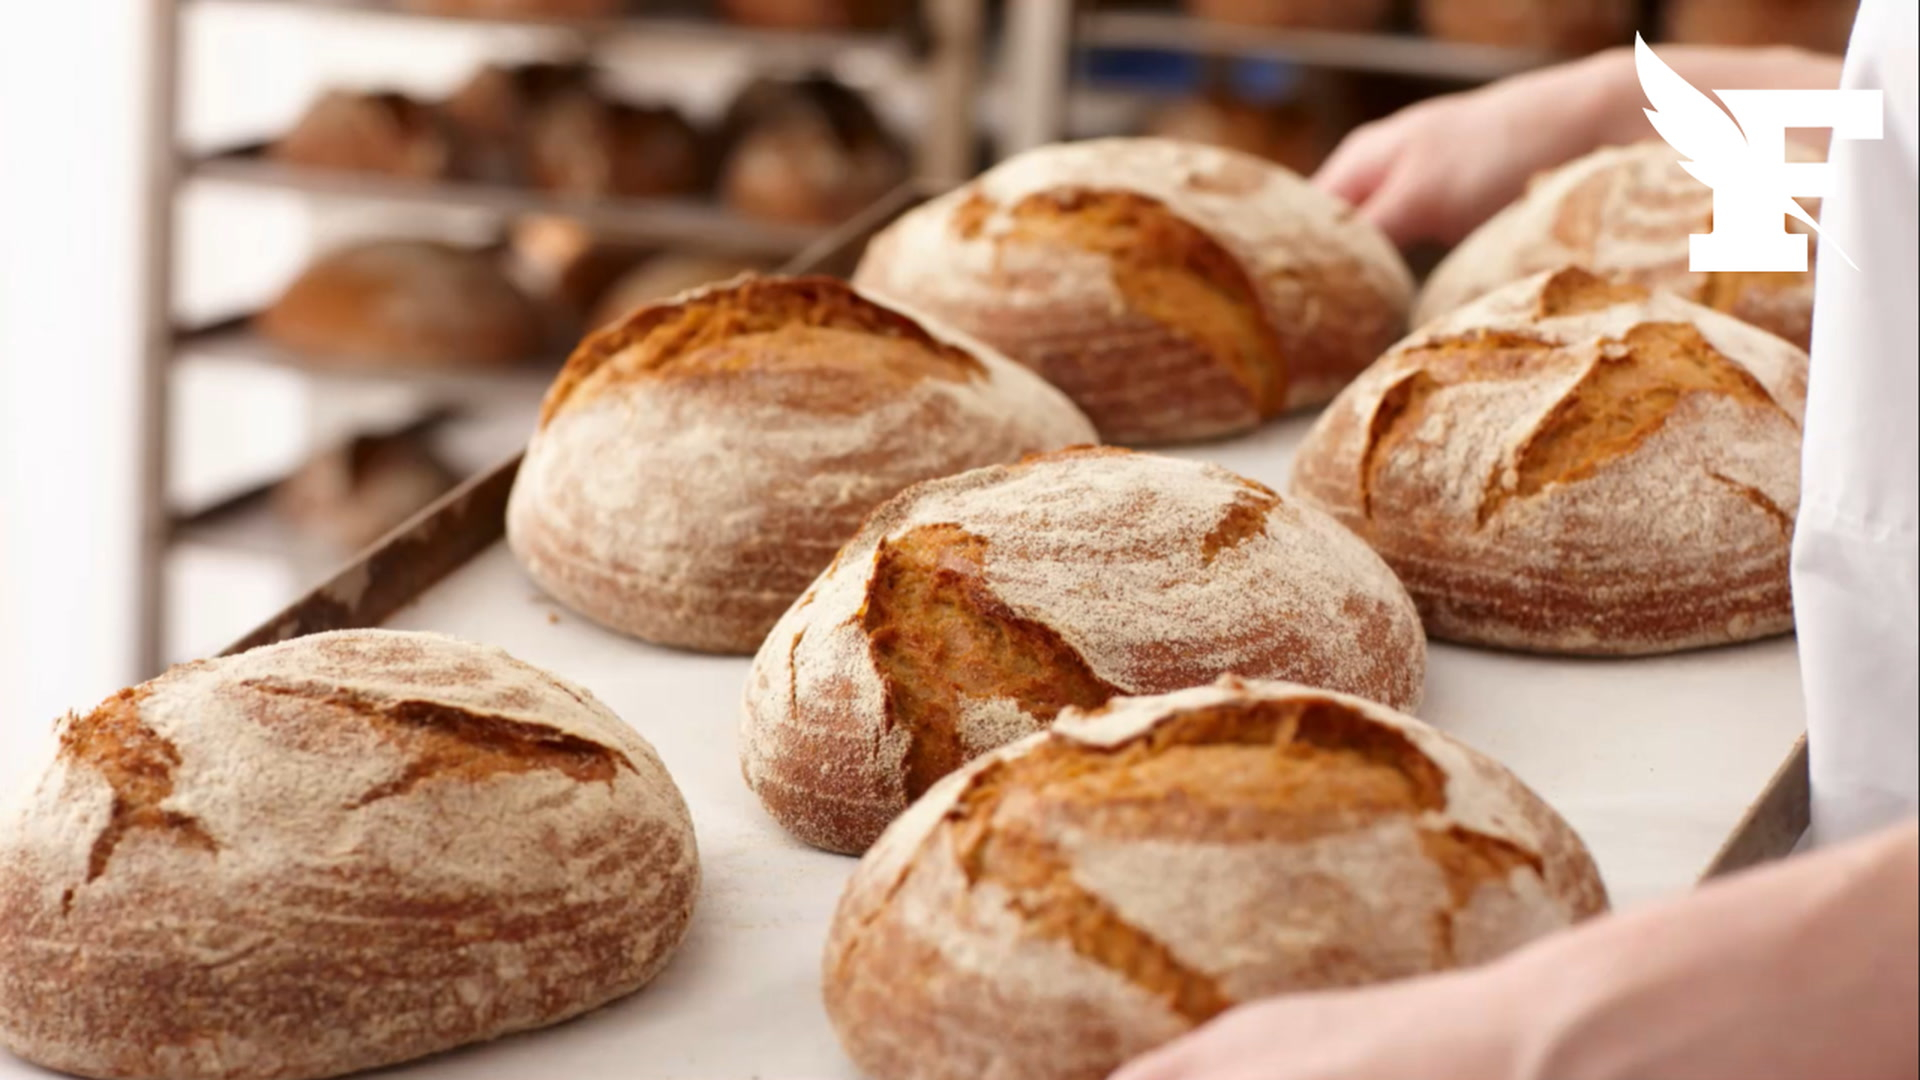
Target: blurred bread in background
column 810, row 151
column 815, row 14
column 1297, row 14
column 405, row 304
column 519, row 9
column 1820, row 25
column 369, row 132
column 1561, row 26
column 352, row 495
column 1292, row 133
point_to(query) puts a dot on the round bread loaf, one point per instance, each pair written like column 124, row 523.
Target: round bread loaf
column 1088, row 893
column 809, row 152
column 581, row 144
column 969, row 611
column 663, row 277
column 494, row 113
column 1624, row 212
column 404, row 303
column 1175, row 291
column 1297, row 14
column 333, row 854
column 1562, row 26
column 355, row 494
column 377, row 133
column 1573, row 465
column 698, row 463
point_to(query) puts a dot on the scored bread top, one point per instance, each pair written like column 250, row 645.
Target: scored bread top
column 969, row 610
column 1624, row 212
column 1063, row 227
column 1071, row 900
column 751, row 324
column 700, row 461
column 333, row 854
column 1634, row 451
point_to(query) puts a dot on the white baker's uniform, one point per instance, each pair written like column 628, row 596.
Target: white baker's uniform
column 1856, row 548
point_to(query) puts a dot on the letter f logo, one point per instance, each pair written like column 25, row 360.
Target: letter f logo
column 1743, row 159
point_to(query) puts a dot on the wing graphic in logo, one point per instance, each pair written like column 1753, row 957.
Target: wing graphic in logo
column 1701, row 130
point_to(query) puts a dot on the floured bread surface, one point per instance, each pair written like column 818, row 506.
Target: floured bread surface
column 329, row 855
column 970, row 611
column 404, row 304
column 1070, row 901
column 1624, row 212
column 1175, row 291
column 1578, row 466
column 699, row 462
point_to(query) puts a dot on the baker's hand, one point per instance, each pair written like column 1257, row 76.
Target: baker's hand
column 1447, row 1027
column 1435, row 170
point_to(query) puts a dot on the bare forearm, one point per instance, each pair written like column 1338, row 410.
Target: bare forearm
column 1801, row 971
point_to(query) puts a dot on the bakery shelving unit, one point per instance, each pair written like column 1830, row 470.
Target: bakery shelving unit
column 1047, row 36
column 947, row 62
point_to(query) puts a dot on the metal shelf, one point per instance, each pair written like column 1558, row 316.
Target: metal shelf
column 1391, row 54
column 672, row 222
column 235, row 341
column 673, row 28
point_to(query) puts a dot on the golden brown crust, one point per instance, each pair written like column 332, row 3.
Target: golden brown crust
column 1574, row 465
column 330, row 855
column 753, row 424
column 580, row 144
column 968, row 612
column 1624, row 212
column 808, row 152
column 404, row 303
column 1071, row 901
column 1175, row 291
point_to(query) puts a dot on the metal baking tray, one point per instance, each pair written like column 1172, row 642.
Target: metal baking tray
column 1672, row 768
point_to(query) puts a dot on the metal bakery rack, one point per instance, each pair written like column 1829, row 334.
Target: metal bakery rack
column 942, row 48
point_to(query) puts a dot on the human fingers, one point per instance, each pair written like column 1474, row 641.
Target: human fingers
column 1361, row 161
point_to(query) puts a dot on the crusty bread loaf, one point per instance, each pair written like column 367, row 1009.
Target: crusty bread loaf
column 333, row 854
column 969, row 611
column 1562, row 26
column 1074, row 900
column 699, row 462
column 351, row 495
column 663, row 277
column 1624, row 212
column 1819, row 25
column 810, row 152
column 567, row 264
column 1175, row 291
column 582, row 144
column 1578, row 466
column 1297, row 14
column 404, row 303
column 814, row 14
column 377, row 133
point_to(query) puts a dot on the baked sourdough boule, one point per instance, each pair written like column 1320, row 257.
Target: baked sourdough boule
column 699, row 462
column 404, row 304
column 1080, row 897
column 1575, row 466
column 333, row 854
column 377, row 133
column 1624, row 212
column 1175, row 291
column 969, row 611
